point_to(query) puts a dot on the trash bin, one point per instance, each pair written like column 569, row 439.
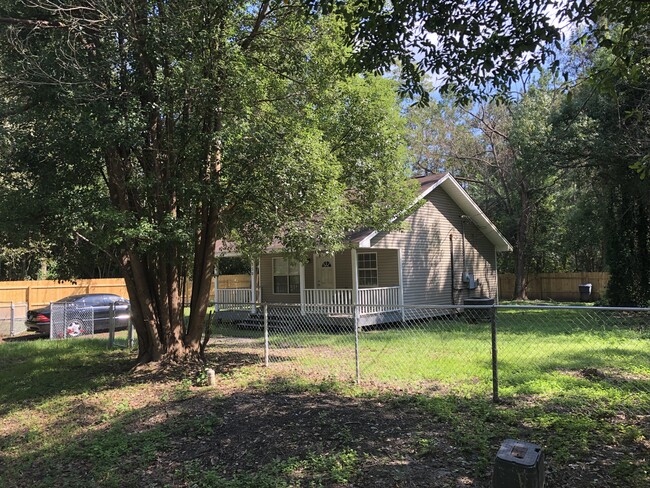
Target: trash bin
column 479, row 314
column 518, row 464
column 585, row 292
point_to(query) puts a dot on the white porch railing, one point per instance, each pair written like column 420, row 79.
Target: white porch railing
column 335, row 301
column 377, row 300
column 339, row 300
column 233, row 298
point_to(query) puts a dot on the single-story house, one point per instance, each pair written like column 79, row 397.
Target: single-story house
column 446, row 253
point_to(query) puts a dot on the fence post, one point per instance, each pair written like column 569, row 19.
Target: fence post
column 65, row 320
column 356, row 344
column 266, row 335
column 495, row 370
column 12, row 326
column 51, row 321
column 129, row 334
column 111, row 327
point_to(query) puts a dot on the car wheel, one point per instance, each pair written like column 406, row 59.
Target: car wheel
column 74, row 328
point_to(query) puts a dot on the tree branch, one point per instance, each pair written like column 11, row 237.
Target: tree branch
column 261, row 15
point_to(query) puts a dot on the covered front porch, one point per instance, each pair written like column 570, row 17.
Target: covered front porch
column 351, row 283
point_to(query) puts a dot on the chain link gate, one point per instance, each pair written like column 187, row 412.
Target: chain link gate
column 12, row 318
column 67, row 321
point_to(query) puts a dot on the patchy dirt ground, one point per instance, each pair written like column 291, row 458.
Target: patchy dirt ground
column 399, row 445
column 399, row 442
column 259, row 429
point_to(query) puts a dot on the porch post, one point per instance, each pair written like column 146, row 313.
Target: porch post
column 253, row 286
column 216, row 288
column 355, row 283
column 301, row 268
column 401, row 282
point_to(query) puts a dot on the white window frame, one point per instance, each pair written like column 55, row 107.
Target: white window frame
column 288, row 276
column 360, row 280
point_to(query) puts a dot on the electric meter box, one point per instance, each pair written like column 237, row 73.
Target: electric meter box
column 518, row 464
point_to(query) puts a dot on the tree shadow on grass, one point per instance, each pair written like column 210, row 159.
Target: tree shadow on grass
column 32, row 372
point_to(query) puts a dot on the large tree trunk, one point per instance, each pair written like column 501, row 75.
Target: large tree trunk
column 153, row 279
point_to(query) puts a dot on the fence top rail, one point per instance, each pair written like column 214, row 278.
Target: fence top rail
column 460, row 307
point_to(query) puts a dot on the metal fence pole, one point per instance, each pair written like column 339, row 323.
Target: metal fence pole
column 51, row 321
column 495, row 370
column 111, row 327
column 65, row 320
column 129, row 334
column 12, row 324
column 266, row 335
column 356, row 344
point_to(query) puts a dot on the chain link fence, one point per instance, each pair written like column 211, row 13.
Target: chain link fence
column 581, row 354
column 12, row 318
column 67, row 320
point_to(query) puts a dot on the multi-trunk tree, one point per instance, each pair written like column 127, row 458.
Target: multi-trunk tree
column 160, row 127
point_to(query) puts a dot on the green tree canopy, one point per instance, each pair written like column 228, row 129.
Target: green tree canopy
column 153, row 129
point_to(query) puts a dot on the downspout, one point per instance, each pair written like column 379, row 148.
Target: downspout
column 451, row 250
column 462, row 230
column 496, row 273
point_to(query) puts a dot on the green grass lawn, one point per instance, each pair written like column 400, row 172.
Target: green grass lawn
column 593, row 355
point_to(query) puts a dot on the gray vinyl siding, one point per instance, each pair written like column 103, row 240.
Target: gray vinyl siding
column 343, row 263
column 426, row 254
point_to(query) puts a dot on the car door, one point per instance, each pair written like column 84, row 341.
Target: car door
column 101, row 311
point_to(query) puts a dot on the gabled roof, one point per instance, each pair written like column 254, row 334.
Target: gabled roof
column 428, row 183
column 460, row 197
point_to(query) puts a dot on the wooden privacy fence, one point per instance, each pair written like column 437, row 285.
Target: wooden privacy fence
column 42, row 292
column 562, row 287
column 544, row 286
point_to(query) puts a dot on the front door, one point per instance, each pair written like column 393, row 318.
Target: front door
column 324, row 271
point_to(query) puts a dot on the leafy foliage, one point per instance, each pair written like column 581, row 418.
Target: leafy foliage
column 474, row 47
column 154, row 129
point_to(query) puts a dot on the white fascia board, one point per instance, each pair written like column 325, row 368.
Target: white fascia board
column 474, row 212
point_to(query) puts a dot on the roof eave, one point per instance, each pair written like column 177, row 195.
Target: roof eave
column 475, row 214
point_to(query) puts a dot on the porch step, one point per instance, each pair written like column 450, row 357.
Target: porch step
column 275, row 322
column 295, row 323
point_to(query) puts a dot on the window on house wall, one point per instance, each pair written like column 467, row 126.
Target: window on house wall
column 286, row 276
column 367, row 268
